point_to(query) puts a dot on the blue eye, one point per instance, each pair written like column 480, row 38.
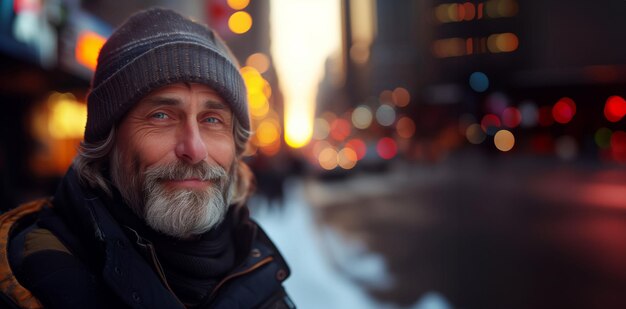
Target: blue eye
column 212, row 120
column 159, row 115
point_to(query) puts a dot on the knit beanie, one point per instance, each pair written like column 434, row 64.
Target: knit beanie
column 155, row 48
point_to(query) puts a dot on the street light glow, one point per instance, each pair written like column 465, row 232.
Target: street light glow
column 304, row 34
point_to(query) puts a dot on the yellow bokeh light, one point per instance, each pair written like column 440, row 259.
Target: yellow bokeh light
column 260, row 111
column 504, row 140
column 259, row 61
column 240, row 22
column 256, row 100
column 298, row 131
column 67, row 118
column 253, row 79
column 267, row 90
column 238, row 4
column 346, row 158
column 328, row 158
column 267, row 133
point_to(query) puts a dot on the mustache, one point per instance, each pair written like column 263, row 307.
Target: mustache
column 179, row 170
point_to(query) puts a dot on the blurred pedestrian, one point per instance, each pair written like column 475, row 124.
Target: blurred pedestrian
column 152, row 213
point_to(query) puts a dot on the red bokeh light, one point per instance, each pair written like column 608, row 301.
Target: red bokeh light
column 340, row 129
column 564, row 110
column 490, row 123
column 387, row 148
column 615, row 108
column 618, row 146
column 358, row 146
column 511, row 117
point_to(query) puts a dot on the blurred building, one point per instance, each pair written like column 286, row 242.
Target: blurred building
column 424, row 79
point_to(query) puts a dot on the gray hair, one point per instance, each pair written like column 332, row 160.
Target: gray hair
column 93, row 159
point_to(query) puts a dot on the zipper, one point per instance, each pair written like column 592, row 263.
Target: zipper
column 155, row 262
column 238, row 274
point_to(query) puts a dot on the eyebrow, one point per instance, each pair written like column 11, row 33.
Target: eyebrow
column 157, row 101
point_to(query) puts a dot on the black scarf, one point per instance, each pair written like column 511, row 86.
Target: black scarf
column 193, row 267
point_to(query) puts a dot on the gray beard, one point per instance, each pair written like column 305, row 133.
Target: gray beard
column 180, row 213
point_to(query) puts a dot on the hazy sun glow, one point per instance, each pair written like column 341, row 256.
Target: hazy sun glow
column 304, row 34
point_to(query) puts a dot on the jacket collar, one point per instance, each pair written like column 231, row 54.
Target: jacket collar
column 124, row 270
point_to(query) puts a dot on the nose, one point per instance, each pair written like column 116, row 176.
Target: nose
column 191, row 148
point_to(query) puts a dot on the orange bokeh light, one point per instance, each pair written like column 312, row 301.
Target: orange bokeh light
column 88, row 47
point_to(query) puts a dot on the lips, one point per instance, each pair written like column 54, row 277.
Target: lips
column 190, row 183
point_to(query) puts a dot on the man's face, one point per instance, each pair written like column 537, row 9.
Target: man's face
column 173, row 159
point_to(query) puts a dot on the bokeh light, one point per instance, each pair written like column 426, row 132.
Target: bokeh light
column 318, row 147
column 502, row 42
column 511, row 117
column 386, row 148
column 602, row 137
column 385, row 115
column 501, row 8
column 401, row 97
column 240, row 22
column 490, row 124
column 529, row 114
column 88, row 45
column 267, row 132
column 347, row 158
column 362, row 117
column 385, row 96
column 358, row 146
column 405, row 127
column 564, row 110
column 259, row 61
column 479, row 81
column 475, row 134
column 618, row 146
column 238, row 4
column 615, row 108
column 67, row 116
column 328, row 158
column 504, row 140
column 321, row 129
column 340, row 129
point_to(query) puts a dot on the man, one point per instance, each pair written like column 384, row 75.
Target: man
column 151, row 214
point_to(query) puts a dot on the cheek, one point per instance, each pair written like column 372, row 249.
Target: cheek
column 145, row 150
column 222, row 151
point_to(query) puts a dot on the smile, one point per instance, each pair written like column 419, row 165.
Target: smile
column 189, row 183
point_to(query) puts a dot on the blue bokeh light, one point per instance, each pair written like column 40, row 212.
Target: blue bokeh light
column 479, row 81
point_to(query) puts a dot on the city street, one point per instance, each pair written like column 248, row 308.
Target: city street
column 472, row 232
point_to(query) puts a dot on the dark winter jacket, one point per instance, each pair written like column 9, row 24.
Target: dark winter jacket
column 73, row 252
